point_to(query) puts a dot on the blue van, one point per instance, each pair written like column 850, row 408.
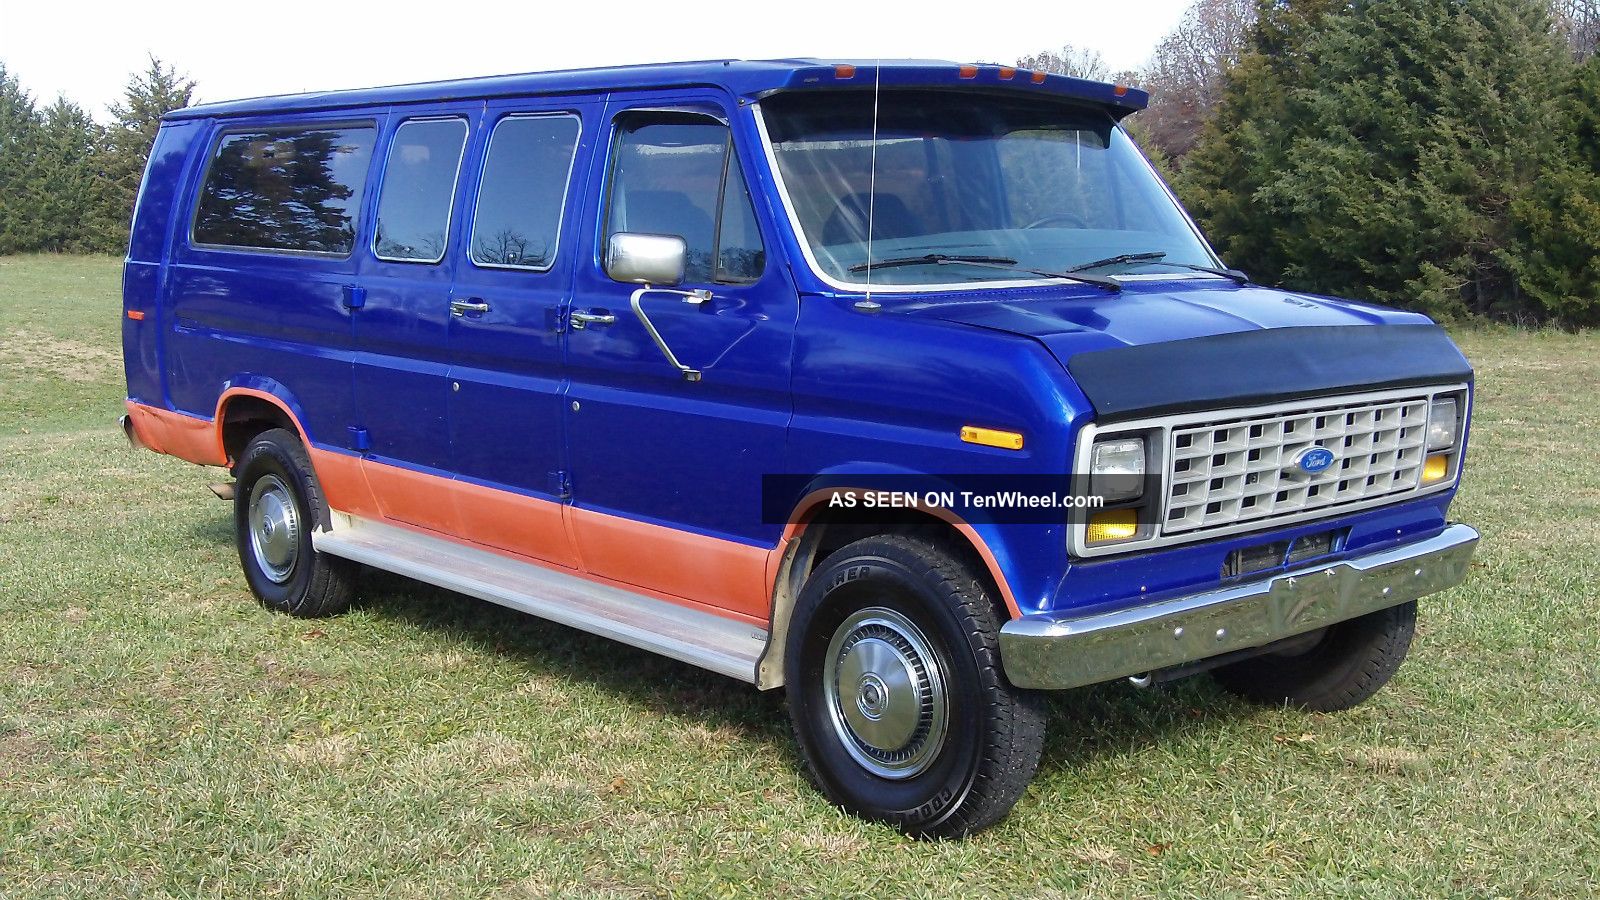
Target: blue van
column 909, row 388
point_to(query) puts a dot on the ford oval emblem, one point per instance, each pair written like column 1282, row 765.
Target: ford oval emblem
column 1312, row 460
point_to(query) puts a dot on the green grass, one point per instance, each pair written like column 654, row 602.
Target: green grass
column 161, row 734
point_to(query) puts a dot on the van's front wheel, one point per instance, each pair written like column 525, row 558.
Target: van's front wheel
column 896, row 694
column 1343, row 667
column 276, row 505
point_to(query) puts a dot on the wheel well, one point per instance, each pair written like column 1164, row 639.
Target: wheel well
column 833, row 529
column 244, row 418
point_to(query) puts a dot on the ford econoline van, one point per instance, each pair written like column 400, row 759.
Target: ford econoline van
column 908, row 388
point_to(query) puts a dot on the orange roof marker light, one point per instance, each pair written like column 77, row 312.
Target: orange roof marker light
column 1038, row 78
column 844, row 70
column 1121, row 90
column 968, row 71
column 1007, row 73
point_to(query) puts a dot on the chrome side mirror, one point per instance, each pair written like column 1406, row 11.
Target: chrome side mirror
column 646, row 258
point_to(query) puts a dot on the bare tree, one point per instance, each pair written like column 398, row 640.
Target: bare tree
column 1579, row 22
column 1185, row 74
column 1078, row 62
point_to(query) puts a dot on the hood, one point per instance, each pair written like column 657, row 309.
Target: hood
column 1168, row 347
column 1070, row 321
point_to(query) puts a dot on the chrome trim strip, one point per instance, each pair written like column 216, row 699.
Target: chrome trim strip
column 725, row 646
column 1058, row 650
column 1161, row 427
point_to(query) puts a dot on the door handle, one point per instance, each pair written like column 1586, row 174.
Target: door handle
column 462, row 307
column 582, row 320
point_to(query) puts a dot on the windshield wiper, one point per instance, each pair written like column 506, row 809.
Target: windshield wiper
column 1156, row 257
column 932, row 259
column 985, row 262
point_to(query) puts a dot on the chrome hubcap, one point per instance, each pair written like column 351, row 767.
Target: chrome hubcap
column 274, row 522
column 885, row 693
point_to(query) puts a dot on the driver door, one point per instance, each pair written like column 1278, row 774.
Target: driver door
column 666, row 470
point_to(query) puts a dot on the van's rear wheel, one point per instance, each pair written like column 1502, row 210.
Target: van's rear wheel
column 896, row 694
column 276, row 506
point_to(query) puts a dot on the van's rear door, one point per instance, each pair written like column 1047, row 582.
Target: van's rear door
column 519, row 238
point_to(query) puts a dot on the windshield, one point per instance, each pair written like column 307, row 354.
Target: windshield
column 1033, row 181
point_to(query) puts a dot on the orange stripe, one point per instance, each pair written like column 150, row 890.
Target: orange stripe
column 509, row 521
column 666, row 562
column 176, row 434
column 344, row 483
column 724, row 574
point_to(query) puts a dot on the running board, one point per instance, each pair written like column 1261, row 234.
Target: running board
column 726, row 646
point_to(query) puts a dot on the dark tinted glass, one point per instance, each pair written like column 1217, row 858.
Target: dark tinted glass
column 419, row 182
column 524, row 187
column 740, row 254
column 285, row 190
column 669, row 179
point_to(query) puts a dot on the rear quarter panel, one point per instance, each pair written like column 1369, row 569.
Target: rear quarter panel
column 143, row 275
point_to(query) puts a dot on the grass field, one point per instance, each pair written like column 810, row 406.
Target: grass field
column 161, row 734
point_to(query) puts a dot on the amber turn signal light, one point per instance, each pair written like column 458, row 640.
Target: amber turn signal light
column 991, row 437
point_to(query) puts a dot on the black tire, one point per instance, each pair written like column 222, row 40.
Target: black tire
column 993, row 733
column 283, row 570
column 1348, row 665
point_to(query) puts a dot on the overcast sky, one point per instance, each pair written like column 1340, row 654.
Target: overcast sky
column 86, row 50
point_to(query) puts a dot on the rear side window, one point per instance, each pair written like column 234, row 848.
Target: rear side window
column 675, row 173
column 524, row 187
column 419, row 183
column 296, row 190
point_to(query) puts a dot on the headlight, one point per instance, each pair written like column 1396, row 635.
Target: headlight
column 1116, row 469
column 1444, row 423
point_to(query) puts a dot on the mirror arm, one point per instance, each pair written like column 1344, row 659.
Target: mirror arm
column 695, row 297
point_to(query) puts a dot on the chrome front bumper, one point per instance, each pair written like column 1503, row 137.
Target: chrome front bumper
column 1059, row 650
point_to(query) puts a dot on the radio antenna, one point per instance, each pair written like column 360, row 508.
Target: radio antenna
column 868, row 303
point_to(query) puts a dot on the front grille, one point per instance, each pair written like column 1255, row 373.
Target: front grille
column 1244, row 468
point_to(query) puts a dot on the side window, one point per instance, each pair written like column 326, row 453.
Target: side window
column 675, row 173
column 740, row 253
column 523, row 191
column 295, row 190
column 419, row 183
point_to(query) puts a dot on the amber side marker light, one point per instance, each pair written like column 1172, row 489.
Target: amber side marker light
column 136, row 314
column 991, row 437
column 968, row 71
column 1007, row 73
column 1435, row 469
column 844, row 71
column 1112, row 525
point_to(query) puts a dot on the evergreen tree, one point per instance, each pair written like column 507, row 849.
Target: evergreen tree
column 19, row 127
column 65, row 178
column 1376, row 148
column 1557, row 254
column 148, row 96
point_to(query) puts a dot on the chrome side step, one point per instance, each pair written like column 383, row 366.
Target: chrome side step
column 723, row 645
